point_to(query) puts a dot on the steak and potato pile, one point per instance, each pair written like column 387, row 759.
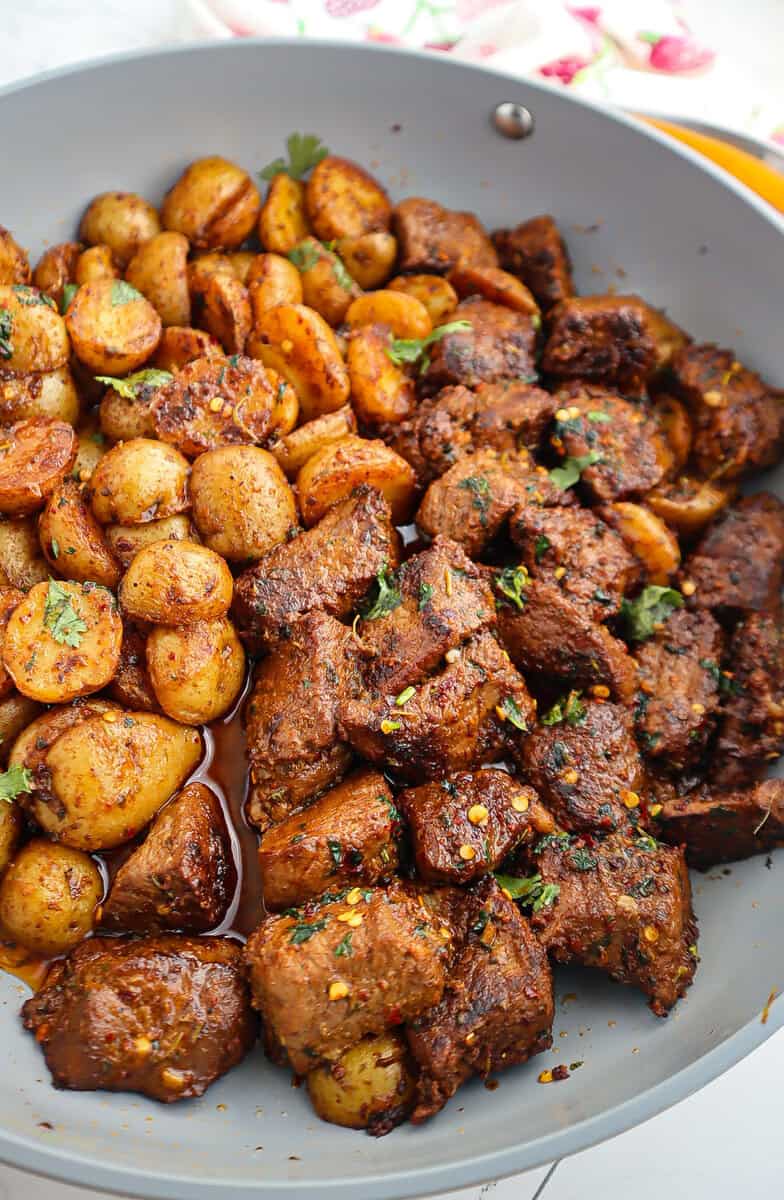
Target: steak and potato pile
column 463, row 557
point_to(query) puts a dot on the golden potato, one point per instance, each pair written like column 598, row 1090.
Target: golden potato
column 495, row 285
column 49, row 394
column 57, row 267
column 406, row 316
column 227, row 313
column 33, row 335
column 96, row 263
column 125, row 541
column 334, row 471
column 48, row 897
column 16, row 712
column 131, row 686
column 381, row 391
column 73, row 541
column 205, row 267
column 197, row 671
column 433, row 291
column 647, row 537
column 272, row 279
column 283, row 221
column 294, row 450
column 108, row 776
column 688, row 505
column 369, row 258
column 126, row 412
column 181, row 345
column 139, row 481
column 214, row 203
column 371, row 1084
column 121, row 220
column 114, row 330
column 11, row 825
column 176, row 583
column 675, row 424
column 299, row 344
column 22, row 563
column 63, row 641
column 241, row 263
column 30, row 747
column 285, row 407
column 10, row 598
column 327, row 286
column 90, row 451
column 343, row 200
column 242, row 503
column 34, row 456
column 14, row 264
column 158, row 270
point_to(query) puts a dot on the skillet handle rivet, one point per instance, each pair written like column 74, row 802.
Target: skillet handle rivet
column 513, row 120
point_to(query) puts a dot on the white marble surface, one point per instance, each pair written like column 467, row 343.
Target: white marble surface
column 727, row 1136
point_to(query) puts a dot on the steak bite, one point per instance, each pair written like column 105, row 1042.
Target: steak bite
column 500, row 344
column 623, row 904
column 585, row 765
column 738, row 564
column 465, row 825
column 291, row 717
column 348, row 835
column 182, row 876
column 679, row 682
column 332, row 972
column 165, row 1016
column 330, row 567
column 751, row 731
column 536, row 253
column 497, row 1008
column 716, row 826
column 434, row 239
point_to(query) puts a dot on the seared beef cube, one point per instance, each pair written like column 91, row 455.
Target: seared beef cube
column 331, row 972
column 291, row 717
column 131, row 686
column 623, row 904
column 182, row 876
column 738, row 419
column 475, row 709
column 617, row 340
column 717, row 826
column 576, row 549
column 500, row 345
column 547, row 633
column 497, row 1008
column 443, row 599
column 466, row 824
column 535, row 251
column 434, row 239
column 330, row 567
column 585, row 766
column 347, row 836
column 738, row 564
column 618, row 440
column 165, row 1016
column 751, row 732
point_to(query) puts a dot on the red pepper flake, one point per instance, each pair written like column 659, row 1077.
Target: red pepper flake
column 394, row 1015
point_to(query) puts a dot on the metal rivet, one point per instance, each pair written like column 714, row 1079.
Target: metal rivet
column 512, row 120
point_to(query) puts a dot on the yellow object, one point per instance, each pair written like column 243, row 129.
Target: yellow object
column 757, row 175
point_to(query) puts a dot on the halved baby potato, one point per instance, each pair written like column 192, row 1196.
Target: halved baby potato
column 50, row 394
column 181, row 344
column 125, row 541
column 176, row 583
column 114, row 330
column 138, row 481
column 433, row 291
column 406, row 316
column 371, row 1085
column 343, row 200
column 22, row 563
column 33, row 335
column 495, row 285
column 49, row 896
column 687, row 504
column 159, row 271
column 34, row 456
column 298, row 343
column 272, row 279
column 334, row 471
column 381, row 391
column 369, row 258
column 227, row 312
column 14, row 263
column 283, row 220
column 214, row 203
column 30, row 747
column 648, row 538
column 242, row 503
column 294, row 450
column 97, row 262
column 72, row 540
column 122, row 221
column 327, row 286
column 196, row 670
column 55, row 268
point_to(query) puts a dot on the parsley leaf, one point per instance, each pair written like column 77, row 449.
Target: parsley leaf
column 554, row 840
column 129, row 387
column 14, row 781
column 411, row 350
column 569, row 708
column 726, row 684
column 599, row 417
column 6, row 329
column 305, row 254
column 69, row 291
column 303, row 930
column 570, row 470
column 344, row 949
column 529, row 890
column 581, row 860
column 541, row 546
column 425, row 595
column 30, row 297
column 510, row 583
column 305, row 151
column 123, row 293
column 511, row 710
column 336, row 851
column 61, row 618
column 386, row 599
column 480, row 490
column 342, row 277
column 653, row 605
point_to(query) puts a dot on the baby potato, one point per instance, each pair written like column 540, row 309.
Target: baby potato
column 197, row 671
column 327, row 286
column 675, row 424
column 433, row 291
column 131, row 686
column 371, row 1084
column 343, row 201
column 22, row 563
column 214, row 203
column 158, row 270
column 283, row 221
column 369, row 258
column 90, row 451
column 688, row 505
column 272, row 279
column 33, row 335
column 9, row 599
column 63, row 641
column 114, row 330
column 34, row 456
column 647, row 537
column 241, row 262
column 495, row 285
column 50, row 394
column 203, row 268
column 334, row 471
column 16, row 713
column 73, row 541
column 121, row 220
column 294, row 450
column 48, row 897
column 406, row 316
column 125, row 541
column 14, row 263
column 10, row 832
column 55, row 268
column 180, row 345
column 242, row 504
column 139, row 481
column 96, row 263
column 107, row 777
column 381, row 391
column 227, row 312
column 285, row 407
column 299, row 344
column 123, row 417
column 176, row 583
column 30, row 747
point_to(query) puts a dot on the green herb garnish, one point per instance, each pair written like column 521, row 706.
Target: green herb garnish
column 305, row 255
column 303, row 930
column 570, row 470
column 653, row 605
column 305, row 151
column 61, row 618
column 69, row 291
column 511, row 710
column 411, row 350
column 336, row 851
column 425, row 595
column 123, row 293
column 530, row 890
column 386, row 598
column 130, row 386
column 344, row 949
column 600, row 418
column 30, row 297
column 479, row 488
column 510, row 583
column 581, row 860
column 569, row 709
column 14, row 781
column 541, row 546
column 6, row 329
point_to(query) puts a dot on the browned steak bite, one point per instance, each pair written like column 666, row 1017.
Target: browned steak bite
column 165, row 1016
column 332, row 972
column 535, row 251
column 679, row 684
column 751, row 732
column 622, row 904
column 348, row 835
column 738, row 419
column 497, row 1009
column 717, row 826
column 499, row 345
column 182, row 876
column 435, row 239
column 738, row 564
column 585, row 765
column 329, row 567
column 466, row 824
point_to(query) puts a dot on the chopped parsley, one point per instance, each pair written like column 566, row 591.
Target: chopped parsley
column 644, row 888
column 344, row 949
column 425, row 595
column 305, row 255
column 479, row 488
column 653, row 605
column 726, row 684
column 54, row 548
column 530, row 890
column 511, row 710
column 336, row 851
column 383, row 598
column 510, row 583
column 569, row 709
column 14, row 781
column 570, row 470
column 581, row 860
column 61, row 618
column 342, row 277
column 130, row 386
column 541, row 546
column 644, row 841
column 305, row 150
column 6, row 329
column 123, row 293
column 599, row 417
column 413, row 350
column 554, row 840
column 303, row 931
column 30, row 297
column 69, row 291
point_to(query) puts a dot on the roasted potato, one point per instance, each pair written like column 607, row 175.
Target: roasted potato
column 55, row 268
column 131, row 686
column 241, row 262
column 139, row 481
column 22, row 563
column 242, row 503
column 180, row 345
column 30, row 747
column 114, row 330
column 33, row 335
column 381, row 391
column 125, row 541
column 343, row 201
column 433, row 291
column 123, row 416
column 121, row 220
column 16, row 712
column 372, row 1084
column 369, row 258
column 73, row 541
column 205, row 267
column 272, row 279
column 11, row 826
column 214, row 203
column 34, row 457
column 404, row 315
column 91, row 447
column 14, row 264
column 283, row 220
column 647, row 537
column 688, row 505
column 196, row 671
column 294, row 450
column 158, row 270
column 227, row 312
column 63, row 641
column 299, row 344
column 327, row 286
column 96, row 263
column 176, row 583
column 51, row 394
column 10, row 598
column 48, row 897
column 676, row 426
column 334, row 471
column 495, row 285
column 106, row 777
